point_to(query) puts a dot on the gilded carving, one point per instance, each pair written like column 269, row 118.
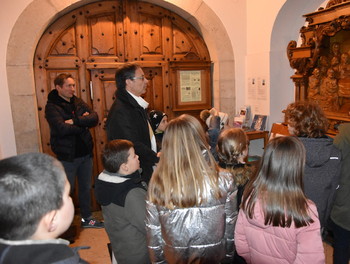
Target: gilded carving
column 322, row 62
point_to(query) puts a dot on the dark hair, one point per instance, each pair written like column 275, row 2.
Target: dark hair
column 115, row 153
column 232, row 142
column 125, row 72
column 278, row 185
column 60, row 79
column 307, row 119
column 31, row 185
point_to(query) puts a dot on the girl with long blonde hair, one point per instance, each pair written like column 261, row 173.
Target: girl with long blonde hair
column 191, row 205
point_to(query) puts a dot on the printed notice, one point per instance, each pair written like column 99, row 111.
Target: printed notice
column 190, row 85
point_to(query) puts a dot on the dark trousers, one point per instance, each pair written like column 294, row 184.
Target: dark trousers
column 81, row 168
column 341, row 244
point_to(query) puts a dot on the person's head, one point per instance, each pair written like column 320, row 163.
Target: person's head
column 344, row 58
column 132, row 78
column 158, row 120
column 334, row 62
column 204, row 114
column 118, row 156
column 232, row 146
column 207, row 117
column 316, row 72
column 335, row 48
column 35, row 202
column 65, row 86
column 279, row 184
column 184, row 166
column 306, row 119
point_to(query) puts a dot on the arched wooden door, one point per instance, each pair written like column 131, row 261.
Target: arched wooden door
column 90, row 42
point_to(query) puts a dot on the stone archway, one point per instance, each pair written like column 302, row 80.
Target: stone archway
column 29, row 28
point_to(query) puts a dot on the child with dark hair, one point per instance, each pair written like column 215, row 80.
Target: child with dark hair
column 277, row 223
column 121, row 193
column 232, row 149
column 159, row 122
column 35, row 209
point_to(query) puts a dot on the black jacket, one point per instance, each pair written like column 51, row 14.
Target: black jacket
column 322, row 173
column 128, row 120
column 69, row 141
column 38, row 252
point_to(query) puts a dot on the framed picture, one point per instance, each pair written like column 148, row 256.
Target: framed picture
column 259, row 122
column 191, row 85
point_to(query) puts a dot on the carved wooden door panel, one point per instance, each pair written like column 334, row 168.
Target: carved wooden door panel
column 90, row 42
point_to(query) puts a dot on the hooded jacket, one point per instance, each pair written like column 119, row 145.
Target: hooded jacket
column 122, row 198
column 69, row 141
column 201, row 234
column 54, row 251
column 322, row 173
column 258, row 243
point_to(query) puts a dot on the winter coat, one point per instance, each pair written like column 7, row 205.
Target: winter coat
column 241, row 172
column 69, row 141
column 128, row 120
column 201, row 234
column 322, row 172
column 341, row 208
column 122, row 199
column 259, row 243
column 38, row 252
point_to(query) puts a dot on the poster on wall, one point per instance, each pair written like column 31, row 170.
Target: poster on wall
column 190, row 85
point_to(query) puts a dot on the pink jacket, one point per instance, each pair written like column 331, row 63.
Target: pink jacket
column 259, row 243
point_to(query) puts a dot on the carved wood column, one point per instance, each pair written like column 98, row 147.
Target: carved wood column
column 300, row 83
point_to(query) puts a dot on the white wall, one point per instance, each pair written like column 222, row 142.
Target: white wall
column 9, row 12
column 232, row 13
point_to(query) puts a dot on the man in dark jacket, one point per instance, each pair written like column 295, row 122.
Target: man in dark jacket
column 128, row 119
column 70, row 118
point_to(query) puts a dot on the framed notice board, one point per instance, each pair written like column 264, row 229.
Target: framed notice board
column 191, row 85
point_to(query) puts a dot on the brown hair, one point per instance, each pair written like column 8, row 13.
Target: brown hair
column 278, row 185
column 232, row 143
column 115, row 153
column 60, row 79
column 307, row 119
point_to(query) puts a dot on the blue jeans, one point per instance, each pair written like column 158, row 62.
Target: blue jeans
column 341, row 244
column 81, row 168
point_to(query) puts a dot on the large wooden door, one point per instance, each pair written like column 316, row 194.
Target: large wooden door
column 92, row 41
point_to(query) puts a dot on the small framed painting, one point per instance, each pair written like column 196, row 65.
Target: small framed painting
column 259, row 122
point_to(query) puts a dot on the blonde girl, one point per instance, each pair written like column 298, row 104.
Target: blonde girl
column 191, row 205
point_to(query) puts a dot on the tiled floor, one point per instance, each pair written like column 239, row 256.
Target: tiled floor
column 97, row 240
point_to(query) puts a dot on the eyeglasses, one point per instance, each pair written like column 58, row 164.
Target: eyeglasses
column 139, row 78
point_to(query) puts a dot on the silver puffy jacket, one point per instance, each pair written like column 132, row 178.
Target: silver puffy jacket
column 194, row 235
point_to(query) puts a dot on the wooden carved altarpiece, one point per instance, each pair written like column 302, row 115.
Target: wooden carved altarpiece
column 322, row 61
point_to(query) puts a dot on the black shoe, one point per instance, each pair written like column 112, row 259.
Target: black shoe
column 91, row 223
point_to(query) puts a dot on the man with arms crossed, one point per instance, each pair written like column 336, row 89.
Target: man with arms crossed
column 70, row 118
